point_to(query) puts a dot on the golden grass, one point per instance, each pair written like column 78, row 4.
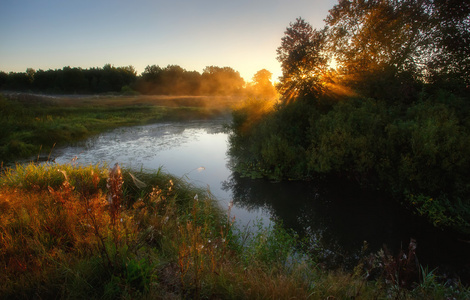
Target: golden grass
column 62, row 236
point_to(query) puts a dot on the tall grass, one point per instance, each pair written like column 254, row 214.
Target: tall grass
column 89, row 232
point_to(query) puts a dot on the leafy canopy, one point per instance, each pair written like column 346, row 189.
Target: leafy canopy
column 302, row 62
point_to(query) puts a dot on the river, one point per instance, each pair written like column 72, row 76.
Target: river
column 336, row 218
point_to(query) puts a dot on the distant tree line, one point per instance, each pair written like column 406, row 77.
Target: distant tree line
column 70, row 80
column 170, row 80
column 175, row 80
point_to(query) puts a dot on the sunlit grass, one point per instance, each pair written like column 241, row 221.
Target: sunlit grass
column 89, row 232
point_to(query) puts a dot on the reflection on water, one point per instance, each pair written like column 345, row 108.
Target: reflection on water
column 335, row 218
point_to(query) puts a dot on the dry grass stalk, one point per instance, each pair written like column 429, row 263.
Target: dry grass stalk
column 114, row 197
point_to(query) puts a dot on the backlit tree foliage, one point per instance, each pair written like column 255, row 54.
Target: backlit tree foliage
column 221, row 81
column 381, row 48
column 398, row 42
column 302, row 62
column 171, row 80
column 261, row 85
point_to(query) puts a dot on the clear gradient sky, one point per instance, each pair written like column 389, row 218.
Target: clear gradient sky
column 242, row 34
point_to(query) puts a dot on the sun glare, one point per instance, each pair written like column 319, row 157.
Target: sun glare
column 332, row 63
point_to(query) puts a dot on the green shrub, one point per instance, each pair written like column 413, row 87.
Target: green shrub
column 418, row 148
column 441, row 212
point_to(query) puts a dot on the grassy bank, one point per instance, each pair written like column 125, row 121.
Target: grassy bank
column 89, row 232
column 34, row 124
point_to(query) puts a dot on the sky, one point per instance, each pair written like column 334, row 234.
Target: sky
column 241, row 34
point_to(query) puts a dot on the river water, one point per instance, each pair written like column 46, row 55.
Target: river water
column 336, row 218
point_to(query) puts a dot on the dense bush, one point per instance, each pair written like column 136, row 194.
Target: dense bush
column 418, row 149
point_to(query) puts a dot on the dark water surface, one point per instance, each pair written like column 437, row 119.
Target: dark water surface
column 336, row 218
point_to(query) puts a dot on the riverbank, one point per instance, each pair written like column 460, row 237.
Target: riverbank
column 32, row 124
column 90, row 232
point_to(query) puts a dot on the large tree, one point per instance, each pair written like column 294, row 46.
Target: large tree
column 380, row 45
column 368, row 35
column 302, row 62
column 451, row 34
column 395, row 42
